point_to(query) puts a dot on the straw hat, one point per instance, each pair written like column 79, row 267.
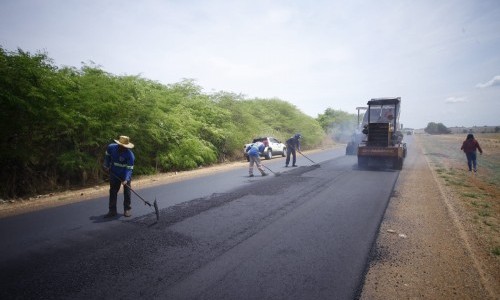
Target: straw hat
column 125, row 142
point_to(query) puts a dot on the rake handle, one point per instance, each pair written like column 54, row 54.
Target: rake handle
column 302, row 154
column 145, row 201
column 131, row 189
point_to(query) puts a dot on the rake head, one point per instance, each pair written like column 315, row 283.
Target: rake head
column 275, row 173
column 157, row 211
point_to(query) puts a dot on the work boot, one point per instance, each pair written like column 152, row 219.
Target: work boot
column 251, row 175
column 294, row 166
column 127, row 213
column 264, row 174
column 110, row 214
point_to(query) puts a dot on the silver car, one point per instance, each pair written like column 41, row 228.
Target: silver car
column 272, row 147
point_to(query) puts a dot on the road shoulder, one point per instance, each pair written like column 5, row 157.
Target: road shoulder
column 421, row 250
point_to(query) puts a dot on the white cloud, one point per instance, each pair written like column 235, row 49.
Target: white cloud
column 495, row 81
column 315, row 54
column 453, row 100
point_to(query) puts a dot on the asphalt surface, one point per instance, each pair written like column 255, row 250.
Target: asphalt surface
column 305, row 234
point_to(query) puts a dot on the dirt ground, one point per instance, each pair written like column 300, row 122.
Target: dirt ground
column 426, row 248
column 423, row 251
column 20, row 206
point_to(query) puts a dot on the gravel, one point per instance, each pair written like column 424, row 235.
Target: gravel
column 423, row 251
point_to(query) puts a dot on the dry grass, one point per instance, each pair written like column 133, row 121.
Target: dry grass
column 478, row 194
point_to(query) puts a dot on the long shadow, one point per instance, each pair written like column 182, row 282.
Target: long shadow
column 102, row 219
column 374, row 168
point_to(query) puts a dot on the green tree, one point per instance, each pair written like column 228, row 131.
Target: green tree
column 338, row 124
column 436, row 128
column 31, row 96
column 57, row 123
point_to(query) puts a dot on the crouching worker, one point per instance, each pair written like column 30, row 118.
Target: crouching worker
column 119, row 163
column 253, row 152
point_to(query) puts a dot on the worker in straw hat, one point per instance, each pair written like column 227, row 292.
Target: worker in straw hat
column 119, row 162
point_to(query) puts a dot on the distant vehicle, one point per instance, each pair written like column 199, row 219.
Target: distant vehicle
column 272, row 147
column 356, row 137
column 383, row 138
column 353, row 144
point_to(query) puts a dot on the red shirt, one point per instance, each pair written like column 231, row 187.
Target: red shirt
column 471, row 145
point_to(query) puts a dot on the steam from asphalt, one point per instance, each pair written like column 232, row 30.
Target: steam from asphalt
column 342, row 132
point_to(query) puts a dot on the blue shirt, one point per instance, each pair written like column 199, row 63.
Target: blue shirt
column 255, row 149
column 119, row 163
column 294, row 143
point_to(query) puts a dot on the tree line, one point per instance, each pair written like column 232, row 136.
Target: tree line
column 436, row 128
column 57, row 121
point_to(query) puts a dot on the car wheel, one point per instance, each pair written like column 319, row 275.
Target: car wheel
column 284, row 152
column 269, row 154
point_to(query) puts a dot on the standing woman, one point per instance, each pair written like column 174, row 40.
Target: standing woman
column 469, row 146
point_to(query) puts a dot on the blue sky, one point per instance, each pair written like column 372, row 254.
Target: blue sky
column 441, row 57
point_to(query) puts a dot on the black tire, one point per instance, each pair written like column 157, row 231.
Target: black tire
column 398, row 163
column 269, row 154
column 351, row 149
column 284, row 152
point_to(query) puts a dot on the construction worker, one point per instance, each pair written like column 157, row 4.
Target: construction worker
column 253, row 152
column 119, row 163
column 469, row 147
column 292, row 145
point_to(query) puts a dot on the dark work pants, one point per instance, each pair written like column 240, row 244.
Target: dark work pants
column 290, row 150
column 114, row 187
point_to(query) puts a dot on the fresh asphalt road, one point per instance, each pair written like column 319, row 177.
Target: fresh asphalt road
column 305, row 234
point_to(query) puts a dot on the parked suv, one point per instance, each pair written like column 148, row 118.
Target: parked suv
column 272, row 147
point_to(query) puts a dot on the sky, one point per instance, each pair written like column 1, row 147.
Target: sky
column 441, row 57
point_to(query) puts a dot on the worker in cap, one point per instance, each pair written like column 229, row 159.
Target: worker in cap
column 292, row 146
